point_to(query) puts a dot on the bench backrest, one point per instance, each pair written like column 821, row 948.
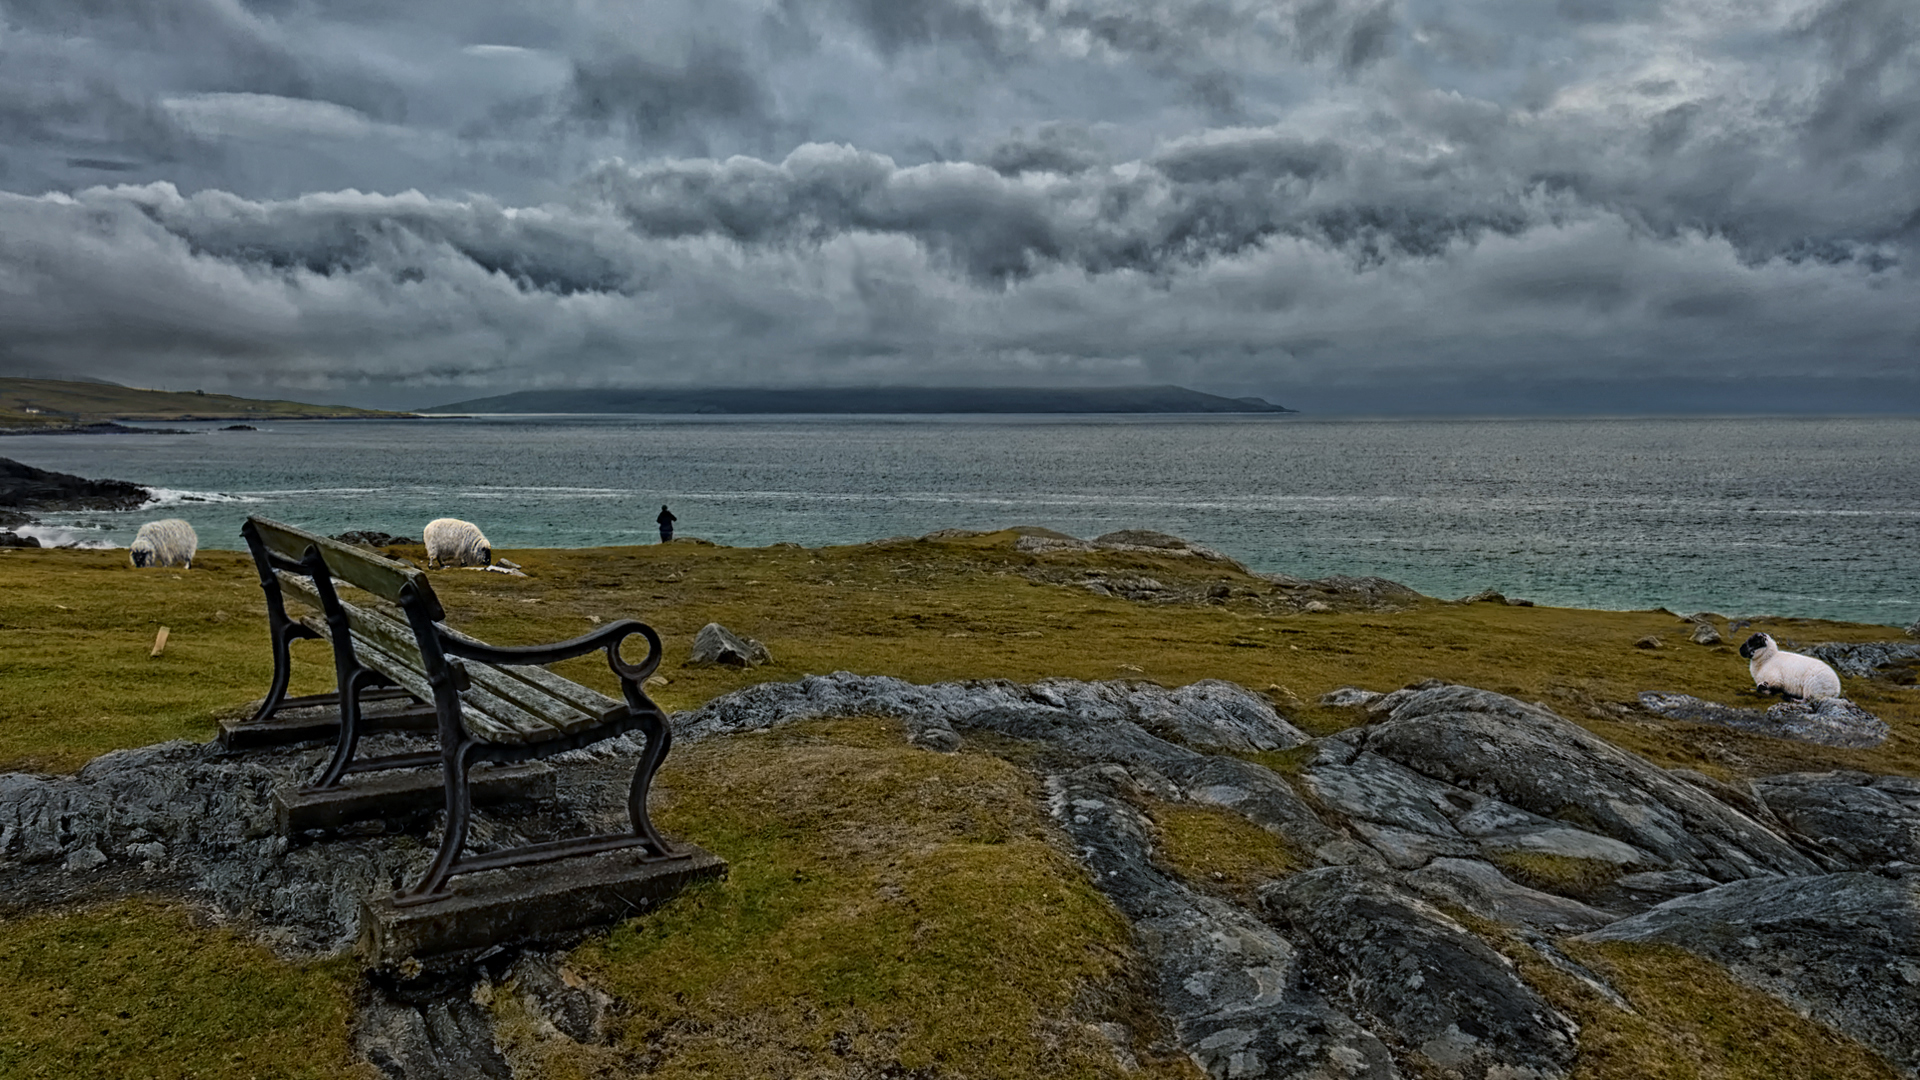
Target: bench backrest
column 381, row 576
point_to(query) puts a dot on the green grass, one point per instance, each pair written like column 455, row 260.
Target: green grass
column 80, row 682
column 1217, row 851
column 887, row 909
column 140, row 990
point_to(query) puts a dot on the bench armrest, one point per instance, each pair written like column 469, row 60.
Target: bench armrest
column 608, row 637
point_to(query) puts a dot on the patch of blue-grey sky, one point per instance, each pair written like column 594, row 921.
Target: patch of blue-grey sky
column 411, row 203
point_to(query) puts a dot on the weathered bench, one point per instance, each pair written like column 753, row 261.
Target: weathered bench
column 490, row 703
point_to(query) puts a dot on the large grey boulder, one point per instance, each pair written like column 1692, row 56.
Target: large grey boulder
column 1828, row 721
column 715, row 644
column 1404, row 967
column 1869, row 821
column 1842, row 948
column 1526, row 757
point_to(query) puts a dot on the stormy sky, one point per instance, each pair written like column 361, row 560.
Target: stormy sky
column 1349, row 205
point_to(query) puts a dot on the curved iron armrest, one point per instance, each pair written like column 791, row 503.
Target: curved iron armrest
column 607, row 637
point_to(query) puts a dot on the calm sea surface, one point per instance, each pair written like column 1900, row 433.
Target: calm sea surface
column 1739, row 516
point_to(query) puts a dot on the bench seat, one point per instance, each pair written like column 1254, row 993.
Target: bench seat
column 511, row 703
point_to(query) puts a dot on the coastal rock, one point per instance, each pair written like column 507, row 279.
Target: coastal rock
column 715, row 644
column 15, row 540
column 1863, row 660
column 1827, row 721
column 373, row 538
column 1842, row 948
column 1525, row 756
column 1349, row 695
column 1342, row 593
column 1705, row 634
column 1402, row 966
column 23, row 487
column 1160, row 543
column 1870, row 821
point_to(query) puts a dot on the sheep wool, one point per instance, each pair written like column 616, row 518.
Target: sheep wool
column 452, row 542
column 169, row 542
column 1789, row 673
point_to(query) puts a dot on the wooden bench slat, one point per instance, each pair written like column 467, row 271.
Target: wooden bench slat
column 583, row 698
column 485, row 715
column 533, row 687
column 381, row 576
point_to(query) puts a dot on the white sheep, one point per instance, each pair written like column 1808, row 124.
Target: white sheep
column 452, row 542
column 169, row 542
column 1788, row 673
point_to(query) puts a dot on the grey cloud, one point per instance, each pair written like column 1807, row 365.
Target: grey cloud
column 659, row 97
column 348, row 289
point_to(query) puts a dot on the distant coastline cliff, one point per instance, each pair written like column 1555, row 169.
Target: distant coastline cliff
column 868, row 399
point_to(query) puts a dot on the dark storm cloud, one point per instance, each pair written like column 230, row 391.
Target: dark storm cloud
column 1245, row 194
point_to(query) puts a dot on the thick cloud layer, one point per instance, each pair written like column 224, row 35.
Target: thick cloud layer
column 1290, row 199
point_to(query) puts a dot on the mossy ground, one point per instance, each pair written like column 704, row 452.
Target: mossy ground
column 140, row 990
column 887, row 907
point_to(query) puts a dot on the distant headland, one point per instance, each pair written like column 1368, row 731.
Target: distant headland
column 39, row 406
column 868, row 399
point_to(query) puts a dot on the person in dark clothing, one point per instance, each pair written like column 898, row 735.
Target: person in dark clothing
column 666, row 520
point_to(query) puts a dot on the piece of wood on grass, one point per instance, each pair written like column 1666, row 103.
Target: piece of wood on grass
column 159, row 643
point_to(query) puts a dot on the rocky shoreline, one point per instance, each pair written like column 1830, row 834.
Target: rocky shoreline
column 1387, row 951
column 25, row 490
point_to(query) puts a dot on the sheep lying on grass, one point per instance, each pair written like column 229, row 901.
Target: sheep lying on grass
column 1787, row 673
column 452, row 542
column 168, row 542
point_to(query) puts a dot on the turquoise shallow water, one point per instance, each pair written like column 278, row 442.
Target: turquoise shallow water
column 1805, row 517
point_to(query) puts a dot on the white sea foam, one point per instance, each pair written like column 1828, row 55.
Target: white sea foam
column 159, row 496
column 67, row 536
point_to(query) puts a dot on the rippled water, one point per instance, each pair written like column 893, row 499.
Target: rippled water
column 1784, row 516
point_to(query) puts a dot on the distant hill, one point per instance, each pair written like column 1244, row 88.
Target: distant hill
column 867, row 399
column 60, row 403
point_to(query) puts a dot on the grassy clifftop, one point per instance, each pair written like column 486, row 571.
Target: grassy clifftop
column 890, row 911
column 54, row 403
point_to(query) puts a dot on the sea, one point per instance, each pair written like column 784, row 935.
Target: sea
column 1739, row 516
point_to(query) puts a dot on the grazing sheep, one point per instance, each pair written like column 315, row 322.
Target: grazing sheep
column 169, row 542
column 1788, row 673
column 452, row 542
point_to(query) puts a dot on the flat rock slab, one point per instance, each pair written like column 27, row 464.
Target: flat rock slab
column 542, row 904
column 401, row 793
column 1828, row 721
column 317, row 719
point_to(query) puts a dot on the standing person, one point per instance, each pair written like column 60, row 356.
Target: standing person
column 666, row 520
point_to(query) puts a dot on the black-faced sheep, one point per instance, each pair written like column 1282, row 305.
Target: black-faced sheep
column 1788, row 673
column 452, row 542
column 168, row 542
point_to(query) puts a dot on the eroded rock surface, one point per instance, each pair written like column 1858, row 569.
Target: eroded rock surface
column 1405, row 968
column 1843, row 948
column 1349, row 965
column 1527, row 757
column 1871, row 822
column 1828, row 721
